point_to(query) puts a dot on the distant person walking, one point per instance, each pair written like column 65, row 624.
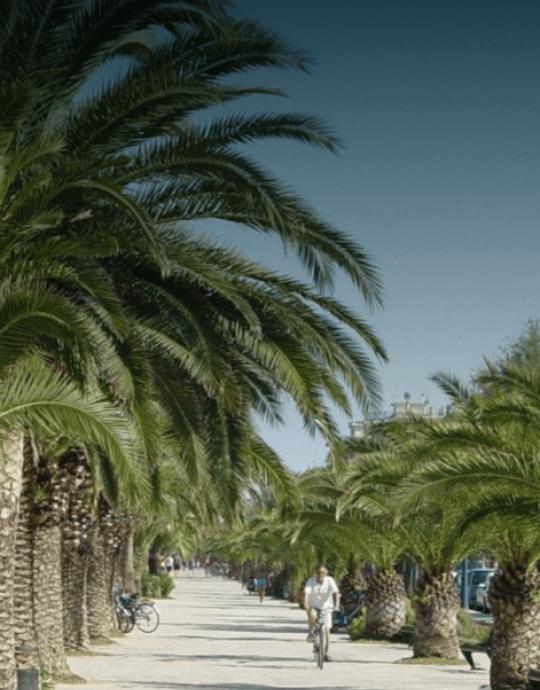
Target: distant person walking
column 169, row 564
column 177, row 563
column 321, row 594
column 262, row 583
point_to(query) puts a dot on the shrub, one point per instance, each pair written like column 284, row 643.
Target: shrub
column 410, row 616
column 156, row 586
column 471, row 631
column 357, row 628
column 167, row 585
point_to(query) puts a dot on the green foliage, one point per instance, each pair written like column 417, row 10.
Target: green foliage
column 168, row 344
column 357, row 628
column 156, row 586
column 470, row 631
column 410, row 616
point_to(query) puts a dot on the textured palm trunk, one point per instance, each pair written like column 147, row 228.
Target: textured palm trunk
column 23, row 581
column 47, row 570
column 101, row 572
column 126, row 569
column 514, row 596
column 436, row 606
column 75, row 547
column 11, row 469
column 385, row 604
column 74, row 592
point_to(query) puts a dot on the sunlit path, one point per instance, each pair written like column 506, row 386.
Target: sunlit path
column 213, row 637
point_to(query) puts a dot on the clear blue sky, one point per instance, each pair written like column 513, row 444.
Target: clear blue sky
column 438, row 105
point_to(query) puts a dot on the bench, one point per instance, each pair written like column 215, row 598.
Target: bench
column 405, row 634
column 469, row 648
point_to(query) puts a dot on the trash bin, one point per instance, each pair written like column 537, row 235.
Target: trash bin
column 27, row 679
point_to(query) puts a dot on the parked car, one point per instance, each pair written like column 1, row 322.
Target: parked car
column 482, row 594
column 477, row 577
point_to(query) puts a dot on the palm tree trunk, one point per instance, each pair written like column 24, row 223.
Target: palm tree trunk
column 101, row 571
column 385, row 604
column 514, row 595
column 23, row 581
column 11, row 468
column 48, row 599
column 436, row 606
column 75, row 537
column 126, row 568
column 74, row 592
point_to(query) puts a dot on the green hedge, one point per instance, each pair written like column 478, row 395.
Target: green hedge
column 156, row 586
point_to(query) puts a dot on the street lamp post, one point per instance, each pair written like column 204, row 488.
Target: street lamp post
column 465, row 583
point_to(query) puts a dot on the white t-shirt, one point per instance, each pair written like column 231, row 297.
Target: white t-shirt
column 320, row 593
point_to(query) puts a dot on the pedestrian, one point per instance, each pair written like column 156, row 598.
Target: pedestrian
column 177, row 564
column 169, row 563
column 321, row 594
column 262, row 583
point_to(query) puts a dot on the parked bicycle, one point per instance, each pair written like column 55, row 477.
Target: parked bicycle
column 320, row 640
column 130, row 612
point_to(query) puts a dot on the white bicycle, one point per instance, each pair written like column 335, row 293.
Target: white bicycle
column 320, row 640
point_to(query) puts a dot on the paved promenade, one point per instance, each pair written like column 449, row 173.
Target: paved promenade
column 214, row 637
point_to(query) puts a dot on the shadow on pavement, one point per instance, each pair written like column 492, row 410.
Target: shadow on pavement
column 232, row 686
column 239, row 659
column 242, row 627
column 230, row 638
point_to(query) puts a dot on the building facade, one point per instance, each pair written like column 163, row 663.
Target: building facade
column 398, row 410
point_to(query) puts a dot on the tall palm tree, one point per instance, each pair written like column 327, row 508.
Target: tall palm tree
column 489, row 457
column 367, row 527
column 429, row 531
column 33, row 396
column 102, row 160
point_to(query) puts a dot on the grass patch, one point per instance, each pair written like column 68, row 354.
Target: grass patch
column 368, row 640
column 430, row 661
column 469, row 631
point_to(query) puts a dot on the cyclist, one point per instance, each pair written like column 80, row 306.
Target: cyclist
column 321, row 592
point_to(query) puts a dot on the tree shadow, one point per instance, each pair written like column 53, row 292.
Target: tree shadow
column 238, row 659
column 231, row 638
column 232, row 686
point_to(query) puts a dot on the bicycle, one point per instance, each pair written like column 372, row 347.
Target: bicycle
column 320, row 640
column 130, row 613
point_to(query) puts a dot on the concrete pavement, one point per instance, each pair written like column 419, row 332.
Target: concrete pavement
column 214, row 637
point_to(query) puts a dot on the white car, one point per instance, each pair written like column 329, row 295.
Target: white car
column 482, row 594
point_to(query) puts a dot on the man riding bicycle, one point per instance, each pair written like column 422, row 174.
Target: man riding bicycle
column 321, row 593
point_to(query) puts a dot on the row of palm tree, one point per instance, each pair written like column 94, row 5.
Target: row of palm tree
column 431, row 492
column 135, row 353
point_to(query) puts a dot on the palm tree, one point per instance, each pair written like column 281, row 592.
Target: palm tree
column 32, row 395
column 488, row 456
column 97, row 180
column 363, row 525
column 429, row 531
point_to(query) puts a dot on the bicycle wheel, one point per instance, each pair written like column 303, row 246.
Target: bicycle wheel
column 321, row 633
column 124, row 620
column 146, row 618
